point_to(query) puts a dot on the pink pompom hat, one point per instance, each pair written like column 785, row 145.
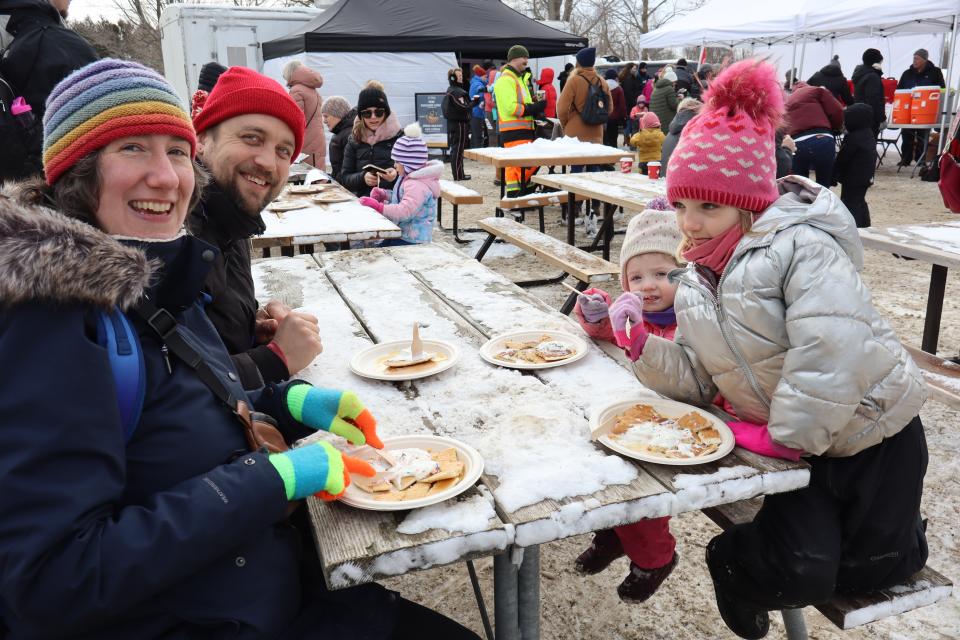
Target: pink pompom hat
column 727, row 153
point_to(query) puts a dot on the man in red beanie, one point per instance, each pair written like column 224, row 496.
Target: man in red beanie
column 249, row 132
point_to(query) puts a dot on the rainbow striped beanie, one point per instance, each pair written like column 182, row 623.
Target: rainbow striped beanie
column 104, row 101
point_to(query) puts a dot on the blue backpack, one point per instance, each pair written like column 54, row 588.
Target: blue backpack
column 116, row 334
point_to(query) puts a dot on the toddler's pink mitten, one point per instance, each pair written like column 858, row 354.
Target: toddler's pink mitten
column 373, row 204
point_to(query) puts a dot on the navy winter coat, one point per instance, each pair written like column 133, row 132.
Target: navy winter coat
column 178, row 534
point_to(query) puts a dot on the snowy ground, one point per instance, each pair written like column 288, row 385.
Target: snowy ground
column 588, row 608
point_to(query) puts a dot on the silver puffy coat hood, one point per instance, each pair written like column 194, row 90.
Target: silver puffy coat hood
column 792, row 339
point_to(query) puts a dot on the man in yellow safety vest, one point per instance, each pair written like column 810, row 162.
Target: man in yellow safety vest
column 516, row 111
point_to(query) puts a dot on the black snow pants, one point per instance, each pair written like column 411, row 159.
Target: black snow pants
column 854, row 529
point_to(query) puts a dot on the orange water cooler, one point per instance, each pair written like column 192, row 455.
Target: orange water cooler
column 902, row 99
column 925, row 105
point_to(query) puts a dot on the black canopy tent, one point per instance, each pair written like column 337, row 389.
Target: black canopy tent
column 471, row 28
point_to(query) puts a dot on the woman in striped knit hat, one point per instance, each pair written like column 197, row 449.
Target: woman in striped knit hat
column 132, row 507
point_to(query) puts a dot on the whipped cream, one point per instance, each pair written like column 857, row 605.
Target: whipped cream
column 410, row 462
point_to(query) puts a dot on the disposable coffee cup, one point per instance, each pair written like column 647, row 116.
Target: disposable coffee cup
column 653, row 170
column 626, row 164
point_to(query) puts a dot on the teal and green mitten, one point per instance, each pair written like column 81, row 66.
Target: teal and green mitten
column 317, row 469
column 333, row 410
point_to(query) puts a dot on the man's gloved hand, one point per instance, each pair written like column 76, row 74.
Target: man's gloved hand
column 380, row 195
column 535, row 109
column 594, row 305
column 373, row 204
column 629, row 307
column 333, row 410
column 317, row 468
column 756, row 438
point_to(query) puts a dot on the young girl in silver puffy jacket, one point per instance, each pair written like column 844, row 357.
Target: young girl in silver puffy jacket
column 773, row 315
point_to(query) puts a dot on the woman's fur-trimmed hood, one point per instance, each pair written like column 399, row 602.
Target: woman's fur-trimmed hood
column 47, row 256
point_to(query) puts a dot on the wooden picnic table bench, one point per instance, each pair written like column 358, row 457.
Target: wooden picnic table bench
column 924, row 588
column 456, row 195
column 942, row 376
column 585, row 267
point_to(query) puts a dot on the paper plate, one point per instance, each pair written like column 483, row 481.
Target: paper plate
column 369, row 362
column 603, row 421
column 470, row 457
column 287, row 205
column 335, row 195
column 304, row 189
column 496, row 344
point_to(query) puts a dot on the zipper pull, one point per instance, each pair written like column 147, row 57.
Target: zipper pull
column 166, row 358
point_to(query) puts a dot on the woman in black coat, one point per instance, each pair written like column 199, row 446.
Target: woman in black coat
column 370, row 143
column 868, row 86
column 456, row 109
column 832, row 79
column 339, row 118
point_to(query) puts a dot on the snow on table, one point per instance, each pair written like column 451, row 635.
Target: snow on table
column 935, row 243
column 334, row 222
column 561, row 152
column 629, row 190
column 455, row 189
column 358, row 546
column 546, row 478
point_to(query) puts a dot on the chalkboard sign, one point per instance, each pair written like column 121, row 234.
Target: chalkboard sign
column 427, row 107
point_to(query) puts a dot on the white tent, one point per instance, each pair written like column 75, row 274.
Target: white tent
column 738, row 23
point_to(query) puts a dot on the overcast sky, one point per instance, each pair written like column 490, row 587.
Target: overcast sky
column 80, row 9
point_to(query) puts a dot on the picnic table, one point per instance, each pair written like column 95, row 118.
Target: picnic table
column 543, row 481
column 562, row 152
column 329, row 223
column 937, row 243
column 925, row 129
column 631, row 191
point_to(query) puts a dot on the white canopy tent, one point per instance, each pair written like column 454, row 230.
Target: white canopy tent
column 746, row 23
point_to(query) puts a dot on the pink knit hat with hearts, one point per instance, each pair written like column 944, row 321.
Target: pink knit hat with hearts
column 727, row 154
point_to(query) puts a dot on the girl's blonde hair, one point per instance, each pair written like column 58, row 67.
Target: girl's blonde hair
column 747, row 219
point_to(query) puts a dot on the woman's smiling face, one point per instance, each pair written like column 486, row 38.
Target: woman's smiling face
column 145, row 186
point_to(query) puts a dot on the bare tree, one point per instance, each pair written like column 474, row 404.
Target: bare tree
column 611, row 25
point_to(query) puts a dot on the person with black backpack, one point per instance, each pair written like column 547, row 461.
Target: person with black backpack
column 38, row 51
column 583, row 108
column 456, row 107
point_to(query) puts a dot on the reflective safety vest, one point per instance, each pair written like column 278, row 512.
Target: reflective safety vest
column 511, row 93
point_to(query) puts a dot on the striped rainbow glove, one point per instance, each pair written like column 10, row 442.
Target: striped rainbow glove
column 317, row 469
column 333, row 410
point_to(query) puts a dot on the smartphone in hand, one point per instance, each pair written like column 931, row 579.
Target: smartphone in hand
column 372, row 168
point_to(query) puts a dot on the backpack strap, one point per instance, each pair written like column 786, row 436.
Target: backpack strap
column 116, row 334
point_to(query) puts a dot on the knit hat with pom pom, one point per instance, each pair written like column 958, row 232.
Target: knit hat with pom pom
column 410, row 150
column 727, row 154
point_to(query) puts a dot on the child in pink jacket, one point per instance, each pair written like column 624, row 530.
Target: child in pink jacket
column 647, row 256
column 412, row 203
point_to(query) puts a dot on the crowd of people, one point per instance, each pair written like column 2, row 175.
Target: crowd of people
column 162, row 502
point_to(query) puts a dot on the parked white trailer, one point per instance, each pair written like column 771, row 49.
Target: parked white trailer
column 194, row 34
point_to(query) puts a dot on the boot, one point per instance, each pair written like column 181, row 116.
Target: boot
column 745, row 620
column 591, row 225
column 640, row 584
column 604, row 549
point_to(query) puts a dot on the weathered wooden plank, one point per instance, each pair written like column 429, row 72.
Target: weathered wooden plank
column 942, row 376
column 458, row 194
column 918, row 241
column 578, row 263
column 630, row 191
column 358, row 546
column 355, row 545
column 537, row 157
column 553, row 198
column 924, row 588
column 355, row 273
